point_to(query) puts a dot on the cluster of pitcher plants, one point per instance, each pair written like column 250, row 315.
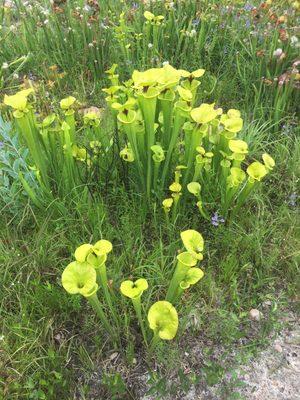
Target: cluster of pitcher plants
column 63, row 169
column 87, row 275
column 164, row 134
column 163, row 131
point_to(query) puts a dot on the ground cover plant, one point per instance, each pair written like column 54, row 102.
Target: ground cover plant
column 126, row 129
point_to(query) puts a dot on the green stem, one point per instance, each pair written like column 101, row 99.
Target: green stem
column 148, row 108
column 202, row 211
column 131, row 134
column 175, row 207
column 155, row 176
column 95, row 303
column 70, row 120
column 178, row 122
column 166, row 106
column 229, row 195
column 102, row 277
column 31, row 193
column 29, row 133
column 138, row 309
column 177, row 277
column 154, row 342
column 195, row 141
column 197, row 174
column 243, row 196
column 178, row 295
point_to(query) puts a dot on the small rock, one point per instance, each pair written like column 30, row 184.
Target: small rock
column 278, row 348
column 267, row 303
column 113, row 356
column 255, row 315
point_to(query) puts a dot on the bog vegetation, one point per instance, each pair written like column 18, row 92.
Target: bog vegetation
column 149, row 187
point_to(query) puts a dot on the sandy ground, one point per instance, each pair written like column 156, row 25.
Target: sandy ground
column 273, row 375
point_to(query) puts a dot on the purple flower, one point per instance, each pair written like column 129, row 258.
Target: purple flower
column 247, row 23
column 1, row 144
column 217, row 219
column 195, row 22
column 248, row 7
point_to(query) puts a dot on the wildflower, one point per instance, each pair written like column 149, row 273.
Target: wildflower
column 248, row 7
column 167, row 204
column 256, row 171
column 150, row 45
column 193, row 243
column 79, row 278
column 277, row 53
column 16, row 76
column 87, row 8
column 46, row 12
column 216, row 219
column 165, row 63
column 286, row 129
column 163, row 320
column 283, row 36
column 134, row 289
column 1, row 337
column 193, row 33
column 5, row 65
column 102, row 25
column 196, row 22
column 295, row 42
column 292, row 200
column 91, row 45
column 46, row 21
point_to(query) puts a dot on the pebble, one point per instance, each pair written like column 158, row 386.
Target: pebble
column 278, row 348
column 255, row 314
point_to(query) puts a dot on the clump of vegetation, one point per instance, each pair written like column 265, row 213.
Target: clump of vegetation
column 145, row 123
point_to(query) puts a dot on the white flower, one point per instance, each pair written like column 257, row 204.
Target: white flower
column 277, row 53
column 165, row 63
column 46, row 12
column 16, row 76
column 1, row 337
column 87, row 8
column 46, row 21
column 5, row 65
column 91, row 44
column 193, row 33
column 295, row 42
column 150, row 45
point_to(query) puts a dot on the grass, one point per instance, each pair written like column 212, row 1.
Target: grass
column 52, row 346
column 49, row 340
